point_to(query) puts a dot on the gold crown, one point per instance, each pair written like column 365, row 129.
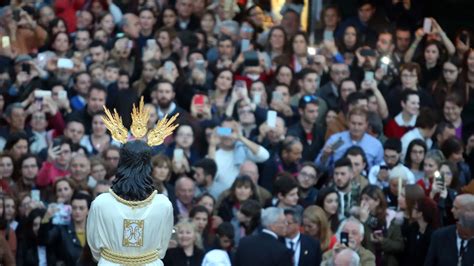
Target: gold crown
column 164, row 127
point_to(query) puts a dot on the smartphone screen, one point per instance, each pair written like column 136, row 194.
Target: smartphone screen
column 427, row 25
column 344, row 238
column 224, row 131
column 178, row 154
column 244, row 45
column 271, row 118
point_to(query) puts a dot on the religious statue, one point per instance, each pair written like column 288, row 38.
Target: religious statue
column 132, row 224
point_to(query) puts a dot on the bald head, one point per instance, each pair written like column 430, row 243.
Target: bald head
column 346, row 257
column 462, row 203
column 250, row 168
column 131, row 25
column 185, row 190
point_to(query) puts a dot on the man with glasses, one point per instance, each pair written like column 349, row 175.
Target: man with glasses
column 264, row 249
column 329, row 91
column 112, row 157
column 379, row 174
column 307, row 129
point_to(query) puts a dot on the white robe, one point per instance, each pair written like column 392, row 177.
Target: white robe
column 113, row 225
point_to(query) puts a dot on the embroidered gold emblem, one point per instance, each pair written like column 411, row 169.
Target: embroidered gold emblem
column 133, row 233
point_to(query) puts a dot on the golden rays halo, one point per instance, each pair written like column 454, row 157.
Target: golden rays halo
column 156, row 136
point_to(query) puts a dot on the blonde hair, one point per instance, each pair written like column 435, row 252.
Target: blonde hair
column 317, row 215
column 188, row 224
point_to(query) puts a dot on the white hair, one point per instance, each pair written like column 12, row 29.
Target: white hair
column 270, row 215
column 355, row 259
column 343, row 224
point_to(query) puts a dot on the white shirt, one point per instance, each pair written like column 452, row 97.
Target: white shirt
column 411, row 135
column 374, row 171
column 270, row 233
column 129, row 231
column 296, row 249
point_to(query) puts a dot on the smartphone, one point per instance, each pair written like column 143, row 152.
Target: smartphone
column 328, row 36
column 239, row 86
column 336, row 145
column 120, row 35
column 311, row 51
column 130, row 44
column 368, row 76
column 378, row 233
column 257, row 97
column 63, row 215
column 344, row 238
column 439, row 178
column 35, row 195
column 42, row 93
column 271, row 118
column 200, row 64
column 224, row 131
column 168, row 67
column 150, row 43
column 427, row 25
column 277, row 96
column 16, row 15
column 65, row 63
column 178, row 154
column 62, row 94
column 367, row 52
column 26, row 68
column 251, row 58
column 244, row 45
column 5, row 41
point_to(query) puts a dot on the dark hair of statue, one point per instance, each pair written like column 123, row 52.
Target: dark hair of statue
column 133, row 179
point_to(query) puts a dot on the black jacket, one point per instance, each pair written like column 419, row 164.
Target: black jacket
column 443, row 249
column 310, row 150
column 177, row 257
column 63, row 240
column 310, row 251
column 262, row 250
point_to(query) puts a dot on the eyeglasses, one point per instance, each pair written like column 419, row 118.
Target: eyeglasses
column 449, row 71
column 305, row 175
column 409, row 75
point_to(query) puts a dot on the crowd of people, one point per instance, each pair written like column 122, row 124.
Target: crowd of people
column 351, row 144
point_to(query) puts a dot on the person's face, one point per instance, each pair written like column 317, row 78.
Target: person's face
column 342, row 177
column 46, row 15
column 294, row 154
column 207, row 23
column 98, row 54
column 132, row 29
column 101, row 35
column 450, row 72
column 457, row 207
column 164, row 39
column 80, row 168
column 307, row 177
column 431, row 54
column 186, row 237
column 165, row 94
column 339, row 72
column 84, row 20
column 63, row 191
column 350, row 36
column 412, row 105
column 29, row 169
column 470, row 61
column 185, row 191
column 246, row 115
column 310, row 113
column 310, row 228
column 207, row 202
column 64, row 155
column 355, row 237
column 358, row 164
column 226, row 49
column 293, row 227
column 310, row 83
column 17, row 119
column 184, row 137
column 330, row 17
column 96, row 101
column 384, row 43
column 200, row 221
column 83, row 83
column 409, row 79
column 357, row 126
column 9, row 209
column 161, row 172
column 111, row 74
column 446, row 172
column 74, row 131
column 290, row 22
column 123, row 82
column 277, row 39
column 7, row 165
column 365, row 13
column 107, row 23
column 98, row 172
column 403, row 40
column 184, row 8
column 59, row 27
column 331, row 204
column 98, row 126
column 291, row 198
column 429, row 167
column 112, row 158
column 347, row 87
column 82, row 41
column 299, row 45
column 417, row 154
column 457, row 156
column 19, row 148
column 257, row 16
column 372, row 203
column 391, row 157
column 79, row 210
column 243, row 193
column 169, row 18
column 199, row 176
column 61, row 43
column 331, row 116
column 285, row 76
column 224, row 81
column 36, row 225
column 452, row 112
column 285, row 93
column 148, row 72
column 280, row 226
column 147, row 20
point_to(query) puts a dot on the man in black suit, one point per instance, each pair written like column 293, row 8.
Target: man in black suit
column 264, row 249
column 454, row 244
column 306, row 250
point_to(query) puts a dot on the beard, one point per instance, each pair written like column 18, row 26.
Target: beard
column 164, row 103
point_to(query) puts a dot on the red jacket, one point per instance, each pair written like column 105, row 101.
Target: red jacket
column 66, row 9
